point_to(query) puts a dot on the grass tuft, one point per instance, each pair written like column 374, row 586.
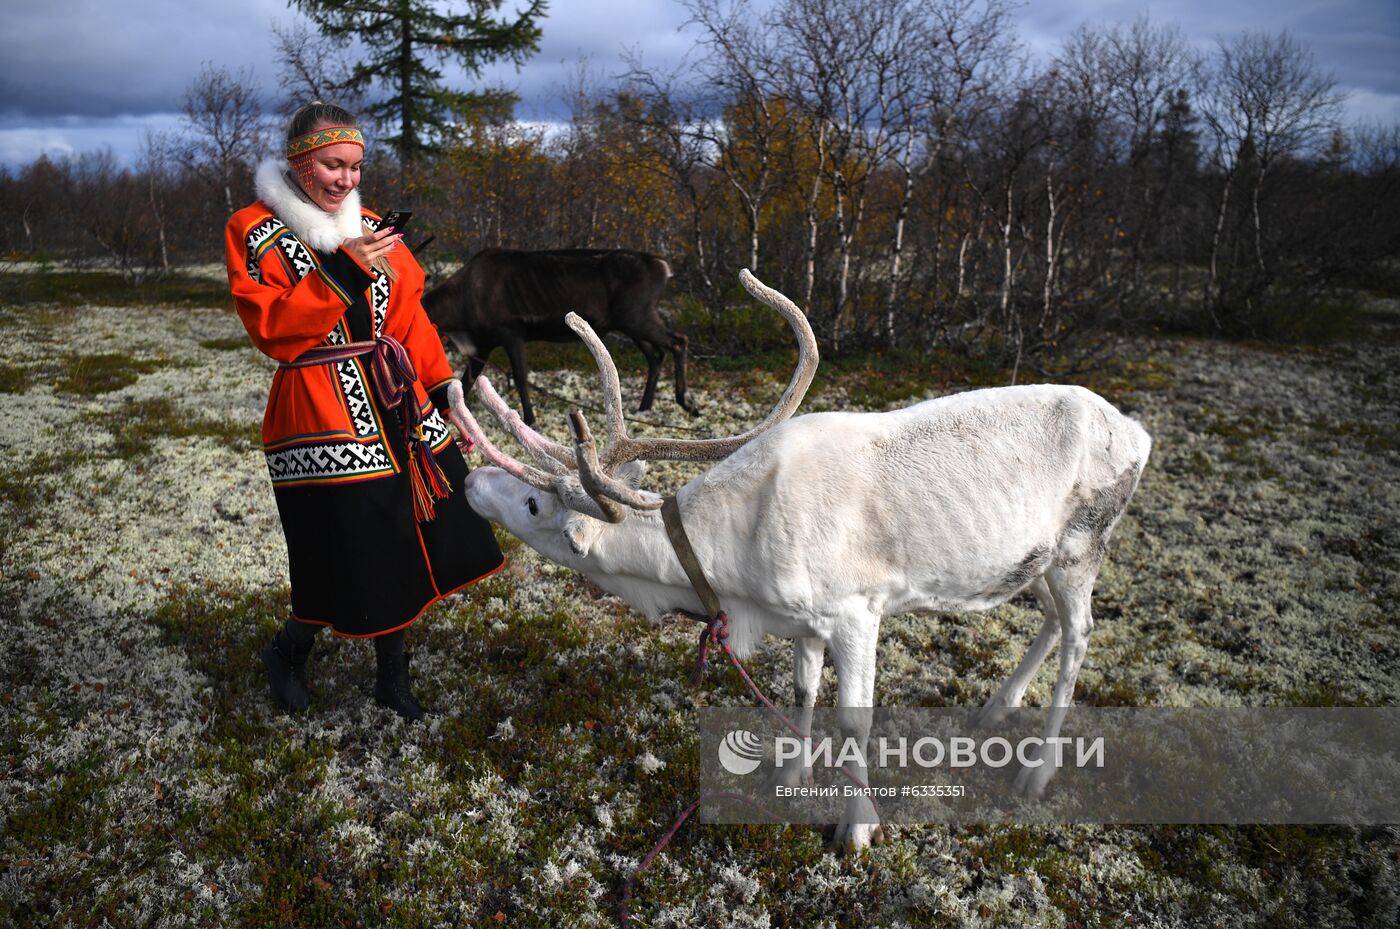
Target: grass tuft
column 85, row 375
column 136, row 424
column 108, row 288
column 13, row 380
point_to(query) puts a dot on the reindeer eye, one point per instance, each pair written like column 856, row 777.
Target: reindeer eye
column 533, row 506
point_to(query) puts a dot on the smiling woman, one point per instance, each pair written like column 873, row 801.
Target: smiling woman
column 366, row 477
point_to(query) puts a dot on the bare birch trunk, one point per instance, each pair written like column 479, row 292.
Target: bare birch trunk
column 897, row 250
column 1258, row 226
column 811, row 282
column 753, row 240
column 698, row 231
column 962, row 265
column 1051, row 207
column 1210, row 293
column 160, row 225
column 1006, row 257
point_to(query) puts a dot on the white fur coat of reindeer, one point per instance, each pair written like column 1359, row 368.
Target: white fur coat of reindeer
column 816, row 527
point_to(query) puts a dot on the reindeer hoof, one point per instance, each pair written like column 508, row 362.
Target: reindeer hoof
column 1030, row 782
column 853, row 839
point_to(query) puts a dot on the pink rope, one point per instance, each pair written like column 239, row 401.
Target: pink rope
column 716, row 631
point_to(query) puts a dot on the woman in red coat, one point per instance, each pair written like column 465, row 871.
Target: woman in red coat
column 367, row 478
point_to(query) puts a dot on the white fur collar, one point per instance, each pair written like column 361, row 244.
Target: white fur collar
column 312, row 225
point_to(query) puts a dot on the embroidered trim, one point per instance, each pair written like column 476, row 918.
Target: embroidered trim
column 379, row 301
column 352, row 387
column 258, row 238
column 331, row 135
column 327, row 461
column 435, row 431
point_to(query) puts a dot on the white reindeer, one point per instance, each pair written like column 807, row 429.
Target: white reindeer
column 815, row 528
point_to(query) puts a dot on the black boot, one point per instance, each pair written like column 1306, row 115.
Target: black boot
column 391, row 686
column 286, row 674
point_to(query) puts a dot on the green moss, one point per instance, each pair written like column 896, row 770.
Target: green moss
column 1323, row 693
column 1377, row 437
column 30, row 489
column 1319, row 322
column 108, row 288
column 1104, row 692
column 1200, row 464
column 1302, row 871
column 136, row 424
column 85, row 375
column 221, row 632
column 13, row 380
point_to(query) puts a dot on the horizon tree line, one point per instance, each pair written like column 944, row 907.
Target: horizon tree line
column 907, row 174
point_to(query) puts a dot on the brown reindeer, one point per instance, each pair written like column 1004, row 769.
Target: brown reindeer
column 505, row 297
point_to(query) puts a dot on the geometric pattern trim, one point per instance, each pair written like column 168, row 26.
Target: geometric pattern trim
column 361, row 410
column 379, row 302
column 303, row 262
column 258, row 237
column 379, row 288
column 435, row 430
column 328, row 460
column 320, row 138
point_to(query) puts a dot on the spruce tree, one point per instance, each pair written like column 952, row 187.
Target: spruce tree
column 405, row 43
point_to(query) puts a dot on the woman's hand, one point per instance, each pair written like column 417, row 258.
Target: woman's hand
column 374, row 245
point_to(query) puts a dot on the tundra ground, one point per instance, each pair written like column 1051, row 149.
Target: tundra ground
column 147, row 780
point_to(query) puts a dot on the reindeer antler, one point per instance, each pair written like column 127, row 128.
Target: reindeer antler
column 566, row 486
column 589, row 485
column 621, row 448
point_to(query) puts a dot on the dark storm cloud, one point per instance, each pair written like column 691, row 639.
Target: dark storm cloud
column 80, row 74
column 91, row 58
column 99, row 58
column 592, row 37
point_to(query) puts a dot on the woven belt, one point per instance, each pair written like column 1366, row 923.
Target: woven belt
column 394, row 375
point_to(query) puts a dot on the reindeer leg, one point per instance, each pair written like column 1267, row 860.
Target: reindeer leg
column 653, row 357
column 679, row 344
column 1009, row 695
column 1071, row 588
column 853, row 654
column 476, row 363
column 515, row 348
column 808, row 655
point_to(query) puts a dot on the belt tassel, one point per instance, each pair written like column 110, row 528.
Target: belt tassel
column 393, row 375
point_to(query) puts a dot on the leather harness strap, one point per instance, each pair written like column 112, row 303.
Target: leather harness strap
column 680, row 543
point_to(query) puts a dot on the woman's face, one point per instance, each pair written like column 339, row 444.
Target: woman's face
column 335, row 171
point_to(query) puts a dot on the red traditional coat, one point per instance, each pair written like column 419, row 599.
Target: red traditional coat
column 335, row 451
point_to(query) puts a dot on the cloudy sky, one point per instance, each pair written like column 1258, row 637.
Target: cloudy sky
column 82, row 74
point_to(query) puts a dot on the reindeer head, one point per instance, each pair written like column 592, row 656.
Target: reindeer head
column 563, row 504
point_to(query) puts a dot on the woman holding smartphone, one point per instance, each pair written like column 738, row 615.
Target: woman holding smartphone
column 367, row 478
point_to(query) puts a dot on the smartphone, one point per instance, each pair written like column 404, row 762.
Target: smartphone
column 397, row 220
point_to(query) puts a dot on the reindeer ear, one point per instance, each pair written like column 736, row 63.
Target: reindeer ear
column 632, row 473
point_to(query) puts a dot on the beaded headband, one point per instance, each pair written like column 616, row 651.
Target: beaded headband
column 330, row 135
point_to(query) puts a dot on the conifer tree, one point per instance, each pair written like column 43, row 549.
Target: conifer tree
column 406, row 42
